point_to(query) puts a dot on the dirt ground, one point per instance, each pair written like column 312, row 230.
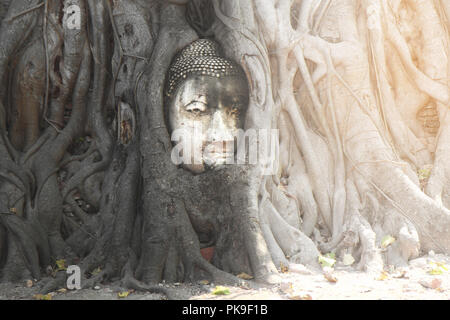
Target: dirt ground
column 425, row 278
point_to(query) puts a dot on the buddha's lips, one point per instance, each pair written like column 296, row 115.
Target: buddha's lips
column 215, row 153
column 219, row 147
column 219, row 155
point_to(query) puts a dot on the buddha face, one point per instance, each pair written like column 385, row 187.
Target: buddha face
column 210, row 111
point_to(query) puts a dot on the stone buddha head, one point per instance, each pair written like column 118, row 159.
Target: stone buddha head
column 207, row 98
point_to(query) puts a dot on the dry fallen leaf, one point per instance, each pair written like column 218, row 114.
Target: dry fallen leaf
column 203, row 282
column 283, row 268
column 43, row 296
column 61, row 265
column 348, row 260
column 328, row 260
column 387, row 241
column 29, row 283
column 433, row 284
column 330, row 277
column 383, row 276
column 436, row 283
column 244, row 276
column 300, row 297
column 96, row 271
column 437, row 268
column 221, row 291
column 123, row 294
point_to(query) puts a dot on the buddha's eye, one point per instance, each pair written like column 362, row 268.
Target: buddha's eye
column 234, row 111
column 196, row 107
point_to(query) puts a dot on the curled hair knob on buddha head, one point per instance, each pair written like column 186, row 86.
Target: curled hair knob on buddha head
column 202, row 58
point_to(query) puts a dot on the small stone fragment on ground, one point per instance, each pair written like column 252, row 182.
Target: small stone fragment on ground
column 431, row 284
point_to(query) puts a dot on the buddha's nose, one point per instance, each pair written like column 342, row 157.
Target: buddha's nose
column 218, row 130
